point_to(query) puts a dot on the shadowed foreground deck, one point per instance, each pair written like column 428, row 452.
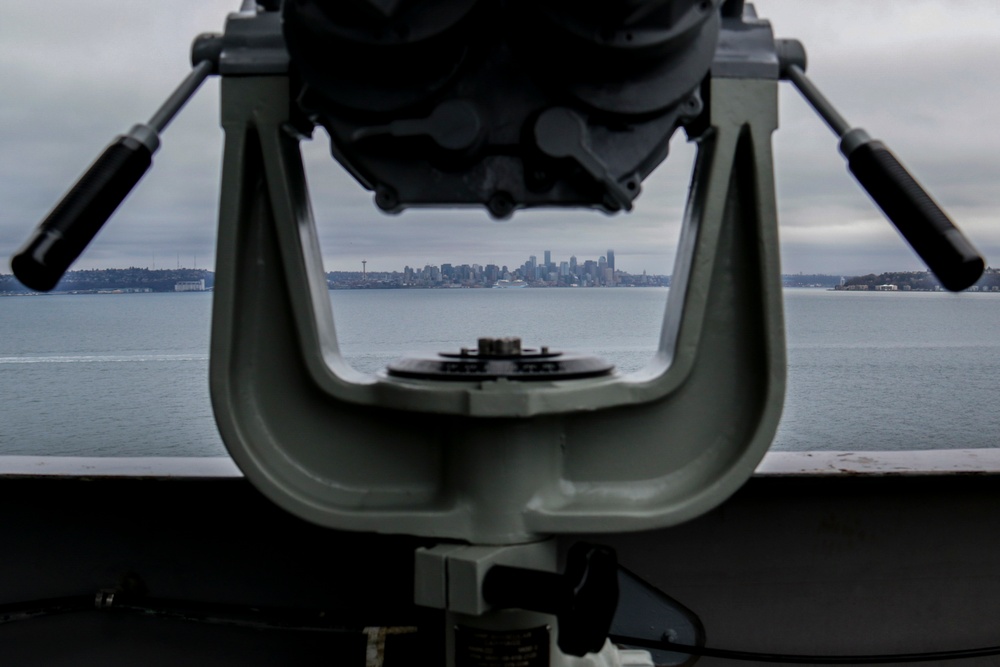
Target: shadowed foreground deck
column 209, row 572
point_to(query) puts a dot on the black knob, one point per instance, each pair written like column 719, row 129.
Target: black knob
column 583, row 599
column 931, row 234
column 71, row 225
column 926, row 227
column 75, row 220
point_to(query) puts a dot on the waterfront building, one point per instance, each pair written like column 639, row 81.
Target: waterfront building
column 190, row 286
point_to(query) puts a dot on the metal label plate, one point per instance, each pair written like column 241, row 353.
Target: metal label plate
column 501, row 648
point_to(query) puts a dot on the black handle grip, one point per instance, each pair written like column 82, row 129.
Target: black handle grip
column 942, row 246
column 584, row 599
column 74, row 222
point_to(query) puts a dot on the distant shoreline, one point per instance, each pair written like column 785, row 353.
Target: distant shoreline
column 26, row 293
column 137, row 280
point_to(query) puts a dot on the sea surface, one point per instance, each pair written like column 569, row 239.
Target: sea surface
column 126, row 375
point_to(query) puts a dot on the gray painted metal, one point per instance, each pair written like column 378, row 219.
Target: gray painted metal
column 496, row 462
column 746, row 48
column 253, row 45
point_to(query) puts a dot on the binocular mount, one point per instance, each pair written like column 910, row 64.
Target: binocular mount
column 500, row 448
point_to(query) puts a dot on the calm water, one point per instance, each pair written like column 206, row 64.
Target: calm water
column 126, row 375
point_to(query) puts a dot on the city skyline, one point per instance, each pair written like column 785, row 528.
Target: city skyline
column 572, row 271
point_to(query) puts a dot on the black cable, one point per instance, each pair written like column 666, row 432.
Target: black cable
column 272, row 618
column 787, row 658
column 260, row 618
column 315, row 620
column 22, row 611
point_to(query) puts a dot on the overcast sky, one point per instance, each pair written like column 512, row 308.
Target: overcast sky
column 924, row 76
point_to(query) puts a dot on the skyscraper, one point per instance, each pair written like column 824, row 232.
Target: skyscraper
column 548, row 260
column 611, row 259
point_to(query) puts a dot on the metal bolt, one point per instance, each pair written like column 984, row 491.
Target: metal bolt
column 386, row 199
column 499, row 347
column 500, row 205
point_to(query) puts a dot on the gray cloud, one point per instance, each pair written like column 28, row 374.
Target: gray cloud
column 922, row 75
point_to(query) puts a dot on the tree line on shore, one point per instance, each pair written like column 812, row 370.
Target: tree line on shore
column 917, row 280
column 132, row 278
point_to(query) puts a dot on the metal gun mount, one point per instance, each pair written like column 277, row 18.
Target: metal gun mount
column 506, row 105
